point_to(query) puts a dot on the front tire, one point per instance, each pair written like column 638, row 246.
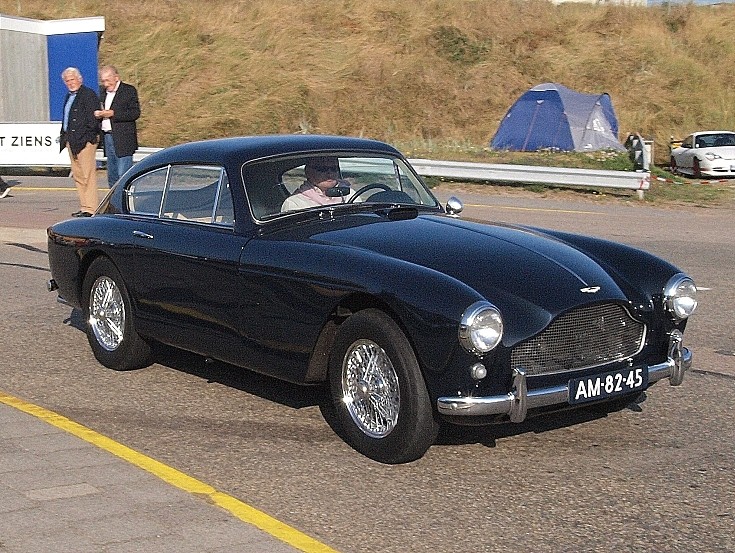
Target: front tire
column 382, row 404
column 696, row 169
column 109, row 320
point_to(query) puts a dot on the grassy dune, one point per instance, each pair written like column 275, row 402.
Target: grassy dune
column 426, row 75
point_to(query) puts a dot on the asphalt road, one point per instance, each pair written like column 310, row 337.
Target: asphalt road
column 658, row 475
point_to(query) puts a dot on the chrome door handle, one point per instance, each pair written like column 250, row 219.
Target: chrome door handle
column 141, row 234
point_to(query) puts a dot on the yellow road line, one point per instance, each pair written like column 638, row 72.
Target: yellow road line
column 553, row 210
column 239, row 509
column 48, row 188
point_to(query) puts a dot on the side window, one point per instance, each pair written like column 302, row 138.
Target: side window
column 293, row 178
column 145, row 192
column 225, row 214
column 191, row 193
column 265, row 191
column 293, row 183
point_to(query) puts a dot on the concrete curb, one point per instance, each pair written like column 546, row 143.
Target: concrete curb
column 14, row 234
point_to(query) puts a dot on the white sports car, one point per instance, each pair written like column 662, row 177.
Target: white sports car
column 705, row 154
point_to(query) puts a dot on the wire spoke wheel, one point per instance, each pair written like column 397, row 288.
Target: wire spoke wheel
column 371, row 390
column 107, row 313
column 110, row 319
column 379, row 393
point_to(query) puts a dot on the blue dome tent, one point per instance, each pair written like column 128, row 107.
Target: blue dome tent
column 552, row 116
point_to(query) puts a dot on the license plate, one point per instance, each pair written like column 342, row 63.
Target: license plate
column 609, row 384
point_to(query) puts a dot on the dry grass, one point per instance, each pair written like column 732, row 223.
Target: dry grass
column 427, row 71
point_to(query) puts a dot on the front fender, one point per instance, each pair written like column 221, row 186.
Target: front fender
column 428, row 304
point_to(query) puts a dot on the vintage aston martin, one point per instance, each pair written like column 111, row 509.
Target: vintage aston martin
column 412, row 316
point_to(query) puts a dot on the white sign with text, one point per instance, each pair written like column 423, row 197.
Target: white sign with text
column 32, row 144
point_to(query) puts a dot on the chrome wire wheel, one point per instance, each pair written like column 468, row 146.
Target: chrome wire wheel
column 107, row 313
column 370, row 387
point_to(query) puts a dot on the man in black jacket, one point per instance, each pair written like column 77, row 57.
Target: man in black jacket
column 80, row 134
column 120, row 110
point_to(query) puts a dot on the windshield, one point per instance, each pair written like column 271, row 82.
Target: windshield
column 279, row 186
column 715, row 140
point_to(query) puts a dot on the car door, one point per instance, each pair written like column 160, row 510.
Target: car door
column 686, row 158
column 186, row 281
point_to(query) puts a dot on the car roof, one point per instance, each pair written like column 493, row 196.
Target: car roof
column 246, row 148
column 698, row 133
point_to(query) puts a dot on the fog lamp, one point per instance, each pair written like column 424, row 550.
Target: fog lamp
column 478, row 371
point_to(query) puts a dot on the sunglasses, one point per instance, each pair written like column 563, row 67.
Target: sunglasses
column 325, row 168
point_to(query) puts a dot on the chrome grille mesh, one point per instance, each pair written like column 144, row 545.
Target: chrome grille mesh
column 579, row 339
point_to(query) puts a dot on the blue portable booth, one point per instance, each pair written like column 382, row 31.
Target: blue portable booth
column 34, row 53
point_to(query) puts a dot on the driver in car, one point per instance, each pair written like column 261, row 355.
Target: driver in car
column 320, row 186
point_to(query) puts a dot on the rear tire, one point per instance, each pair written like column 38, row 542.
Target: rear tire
column 379, row 393
column 109, row 319
column 672, row 166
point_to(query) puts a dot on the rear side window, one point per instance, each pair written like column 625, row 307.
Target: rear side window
column 184, row 192
column 191, row 193
column 145, row 192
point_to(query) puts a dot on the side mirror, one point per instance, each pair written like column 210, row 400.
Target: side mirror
column 454, row 206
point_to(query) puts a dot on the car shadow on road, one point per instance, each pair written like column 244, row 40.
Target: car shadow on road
column 299, row 397
column 272, row 389
column 266, row 387
column 76, row 320
column 263, row 386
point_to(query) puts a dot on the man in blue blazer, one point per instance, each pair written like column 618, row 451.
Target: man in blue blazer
column 80, row 135
column 120, row 110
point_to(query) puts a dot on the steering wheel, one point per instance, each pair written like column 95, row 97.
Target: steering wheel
column 373, row 186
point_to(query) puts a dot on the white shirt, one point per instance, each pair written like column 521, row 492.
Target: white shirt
column 106, row 125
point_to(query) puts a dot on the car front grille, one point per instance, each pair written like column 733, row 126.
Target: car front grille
column 579, row 339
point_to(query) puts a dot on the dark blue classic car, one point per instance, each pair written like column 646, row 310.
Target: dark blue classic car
column 319, row 259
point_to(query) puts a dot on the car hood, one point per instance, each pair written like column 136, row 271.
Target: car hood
column 510, row 266
column 725, row 152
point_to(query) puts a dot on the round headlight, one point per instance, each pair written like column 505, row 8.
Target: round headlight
column 680, row 296
column 481, row 327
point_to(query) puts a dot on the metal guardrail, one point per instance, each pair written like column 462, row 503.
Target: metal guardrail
column 139, row 154
column 521, row 174
column 530, row 174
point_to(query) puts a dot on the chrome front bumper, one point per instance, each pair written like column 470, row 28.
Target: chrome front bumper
column 519, row 400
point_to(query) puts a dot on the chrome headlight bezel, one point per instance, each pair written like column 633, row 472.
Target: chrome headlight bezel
column 680, row 297
column 481, row 328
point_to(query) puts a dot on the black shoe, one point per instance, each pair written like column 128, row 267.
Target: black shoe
column 85, row 214
column 77, row 214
